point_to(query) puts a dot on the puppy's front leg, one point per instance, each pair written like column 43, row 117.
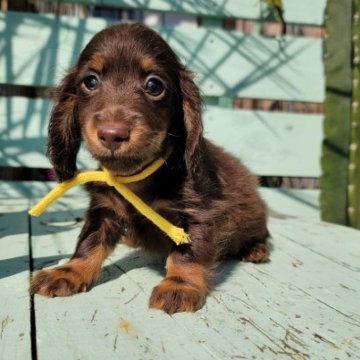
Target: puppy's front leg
column 184, row 287
column 98, row 238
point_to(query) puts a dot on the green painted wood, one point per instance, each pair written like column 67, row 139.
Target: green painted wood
column 23, row 128
column 23, row 133
column 333, row 273
column 15, row 190
column 226, row 102
column 354, row 157
column 268, row 143
column 226, row 63
column 294, row 10
column 276, row 309
column 335, row 151
column 307, row 12
column 344, row 249
column 15, row 337
column 289, row 203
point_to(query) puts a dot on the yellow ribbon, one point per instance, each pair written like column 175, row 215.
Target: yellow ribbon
column 178, row 235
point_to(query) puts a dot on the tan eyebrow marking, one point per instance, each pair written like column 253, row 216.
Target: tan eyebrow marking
column 97, row 62
column 147, row 63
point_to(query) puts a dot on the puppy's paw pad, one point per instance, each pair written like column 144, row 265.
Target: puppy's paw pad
column 173, row 297
column 56, row 282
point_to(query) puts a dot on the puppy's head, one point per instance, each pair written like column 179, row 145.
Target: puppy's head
column 128, row 98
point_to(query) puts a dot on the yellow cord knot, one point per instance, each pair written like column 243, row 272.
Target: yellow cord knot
column 178, row 235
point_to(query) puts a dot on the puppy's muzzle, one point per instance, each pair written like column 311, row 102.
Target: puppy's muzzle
column 113, row 135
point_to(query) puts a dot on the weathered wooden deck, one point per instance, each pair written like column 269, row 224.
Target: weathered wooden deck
column 303, row 304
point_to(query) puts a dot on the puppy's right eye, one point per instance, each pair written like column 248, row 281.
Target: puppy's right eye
column 91, row 82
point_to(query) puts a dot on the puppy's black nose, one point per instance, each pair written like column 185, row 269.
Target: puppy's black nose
column 111, row 136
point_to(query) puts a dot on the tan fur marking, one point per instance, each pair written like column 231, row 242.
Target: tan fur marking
column 97, row 62
column 147, row 63
column 183, row 289
column 90, row 267
column 90, row 131
column 192, row 272
column 71, row 278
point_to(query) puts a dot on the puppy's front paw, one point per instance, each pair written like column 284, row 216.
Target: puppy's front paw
column 62, row 281
column 176, row 295
column 257, row 253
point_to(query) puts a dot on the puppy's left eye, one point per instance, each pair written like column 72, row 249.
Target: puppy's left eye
column 91, row 82
column 154, row 86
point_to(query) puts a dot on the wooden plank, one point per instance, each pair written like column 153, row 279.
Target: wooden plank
column 23, row 128
column 307, row 12
column 269, row 143
column 15, row 328
column 345, row 242
column 15, row 190
column 276, row 309
column 336, row 284
column 261, row 311
column 294, row 10
column 23, row 133
column 290, row 69
column 287, row 203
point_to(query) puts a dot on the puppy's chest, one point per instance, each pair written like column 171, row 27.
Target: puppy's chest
column 141, row 232
column 135, row 225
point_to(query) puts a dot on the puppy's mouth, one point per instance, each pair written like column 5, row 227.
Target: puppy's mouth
column 122, row 165
column 125, row 151
column 129, row 158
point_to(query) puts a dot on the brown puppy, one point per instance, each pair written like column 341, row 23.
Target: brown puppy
column 129, row 99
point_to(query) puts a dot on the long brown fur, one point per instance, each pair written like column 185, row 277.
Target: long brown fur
column 200, row 188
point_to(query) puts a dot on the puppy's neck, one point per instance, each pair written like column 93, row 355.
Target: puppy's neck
column 144, row 177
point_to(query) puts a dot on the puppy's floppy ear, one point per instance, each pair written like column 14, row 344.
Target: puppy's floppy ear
column 64, row 133
column 191, row 104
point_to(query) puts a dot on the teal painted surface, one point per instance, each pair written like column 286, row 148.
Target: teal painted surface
column 23, row 134
column 15, row 340
column 17, row 190
column 226, row 63
column 289, row 203
column 309, row 12
column 302, row 304
column 23, row 129
column 295, row 11
column 269, row 143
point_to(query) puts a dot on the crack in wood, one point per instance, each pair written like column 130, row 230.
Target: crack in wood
column 294, row 354
column 94, row 315
column 115, row 342
column 323, row 339
column 131, row 299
